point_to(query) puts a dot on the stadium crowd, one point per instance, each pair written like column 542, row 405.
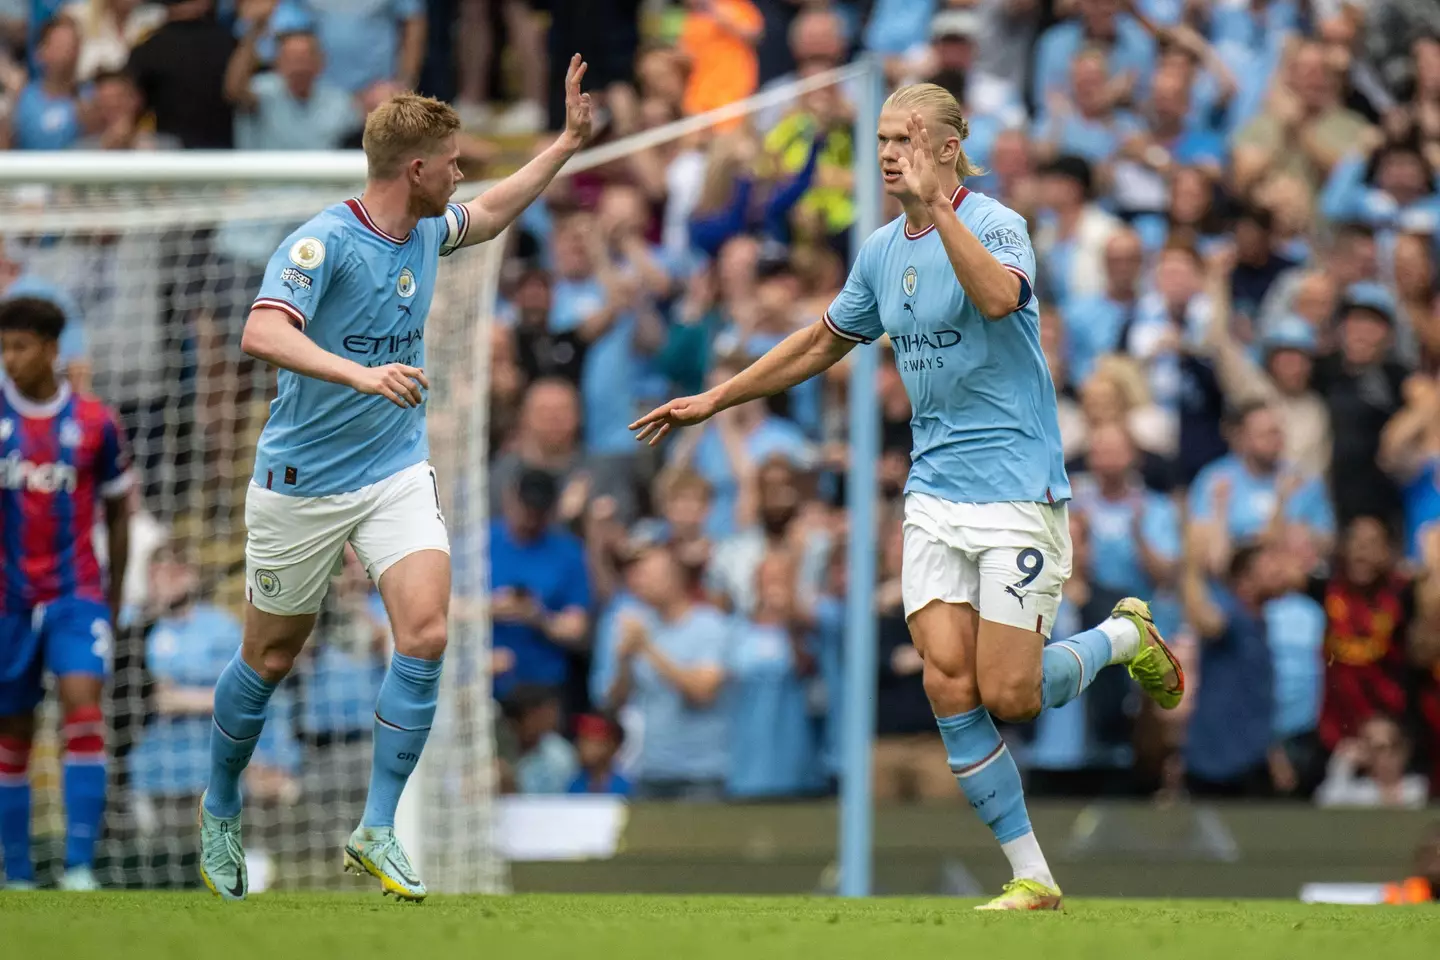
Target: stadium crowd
column 1236, row 212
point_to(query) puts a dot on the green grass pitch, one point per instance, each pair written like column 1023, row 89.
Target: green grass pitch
column 122, row 926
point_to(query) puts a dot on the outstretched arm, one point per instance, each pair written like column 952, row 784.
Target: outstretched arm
column 793, row 360
column 497, row 208
column 996, row 289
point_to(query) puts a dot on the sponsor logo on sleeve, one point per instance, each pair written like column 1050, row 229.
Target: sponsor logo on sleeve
column 307, row 253
column 294, row 277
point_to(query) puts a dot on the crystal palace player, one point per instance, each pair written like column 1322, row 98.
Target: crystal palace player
column 343, row 457
column 61, row 456
column 987, row 544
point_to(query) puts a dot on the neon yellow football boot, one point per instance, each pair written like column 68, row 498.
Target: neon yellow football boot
column 1155, row 667
column 1025, row 895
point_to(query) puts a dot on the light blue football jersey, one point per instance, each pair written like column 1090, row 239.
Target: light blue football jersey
column 360, row 293
column 985, row 422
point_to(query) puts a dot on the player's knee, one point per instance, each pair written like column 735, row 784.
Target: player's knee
column 1010, row 700
column 272, row 662
column 950, row 687
column 424, row 640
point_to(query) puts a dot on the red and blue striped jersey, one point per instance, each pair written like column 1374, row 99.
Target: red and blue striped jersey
column 58, row 459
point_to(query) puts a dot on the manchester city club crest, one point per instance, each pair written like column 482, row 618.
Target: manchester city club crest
column 267, row 582
column 307, row 253
column 909, row 280
column 405, row 286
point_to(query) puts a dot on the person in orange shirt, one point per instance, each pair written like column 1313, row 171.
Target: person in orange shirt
column 719, row 37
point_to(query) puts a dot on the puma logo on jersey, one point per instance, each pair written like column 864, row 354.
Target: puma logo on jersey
column 17, row 474
column 1019, row 597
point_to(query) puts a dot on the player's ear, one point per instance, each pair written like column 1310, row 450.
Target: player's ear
column 949, row 150
column 414, row 167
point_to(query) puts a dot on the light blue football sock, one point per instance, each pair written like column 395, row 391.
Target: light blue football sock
column 241, row 697
column 1069, row 666
column 986, row 772
column 403, row 715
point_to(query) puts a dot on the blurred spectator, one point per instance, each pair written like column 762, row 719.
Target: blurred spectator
column 188, row 646
column 1362, row 387
column 540, row 589
column 116, row 112
column 479, row 54
column 1369, row 608
column 1228, row 746
column 1116, row 393
column 719, row 38
column 1130, row 53
column 47, row 114
column 108, row 31
column 1251, row 492
column 1410, row 453
column 770, row 669
column 672, row 662
column 727, row 451
column 1369, row 770
column 180, row 69
column 1087, row 126
column 783, row 519
column 289, row 108
column 1303, row 111
column 1073, row 231
column 545, row 761
column 370, row 41
column 1093, row 323
column 1284, row 379
column 598, row 738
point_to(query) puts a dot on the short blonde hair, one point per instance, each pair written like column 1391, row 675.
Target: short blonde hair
column 405, row 126
column 940, row 106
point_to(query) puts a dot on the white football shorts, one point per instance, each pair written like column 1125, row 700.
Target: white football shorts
column 296, row 544
column 1007, row 560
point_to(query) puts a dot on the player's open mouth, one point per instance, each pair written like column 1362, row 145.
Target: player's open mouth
column 890, row 176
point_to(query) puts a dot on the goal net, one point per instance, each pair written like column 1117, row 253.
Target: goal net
column 161, row 276
column 159, row 257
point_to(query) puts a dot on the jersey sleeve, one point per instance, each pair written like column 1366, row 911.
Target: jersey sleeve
column 298, row 274
column 854, row 314
column 1003, row 233
column 457, row 228
column 114, row 472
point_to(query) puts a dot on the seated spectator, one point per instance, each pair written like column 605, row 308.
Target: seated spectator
column 672, row 664
column 770, row 669
column 598, row 738
column 289, row 108
column 47, row 114
column 108, row 31
column 180, row 70
column 545, row 761
column 1228, row 744
column 1370, row 770
column 376, row 41
column 1252, row 492
column 540, row 590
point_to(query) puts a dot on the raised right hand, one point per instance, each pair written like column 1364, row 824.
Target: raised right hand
column 397, row 382
column 681, row 412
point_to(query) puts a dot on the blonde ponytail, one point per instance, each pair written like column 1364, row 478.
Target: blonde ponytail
column 940, row 108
